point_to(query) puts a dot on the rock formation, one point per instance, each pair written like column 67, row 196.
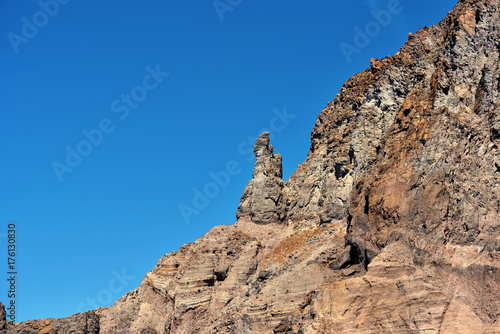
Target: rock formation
column 3, row 318
column 262, row 199
column 391, row 225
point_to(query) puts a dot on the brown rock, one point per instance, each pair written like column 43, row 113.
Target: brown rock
column 390, row 225
column 3, row 318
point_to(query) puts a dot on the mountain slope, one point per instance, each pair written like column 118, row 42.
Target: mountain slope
column 391, row 225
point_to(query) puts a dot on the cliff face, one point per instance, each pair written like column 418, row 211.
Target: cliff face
column 391, row 225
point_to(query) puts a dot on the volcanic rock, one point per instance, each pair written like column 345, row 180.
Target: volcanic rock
column 3, row 318
column 391, row 225
column 262, row 199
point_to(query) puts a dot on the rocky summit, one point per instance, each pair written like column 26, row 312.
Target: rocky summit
column 391, row 225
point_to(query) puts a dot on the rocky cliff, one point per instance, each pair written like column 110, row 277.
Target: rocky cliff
column 391, row 225
column 262, row 199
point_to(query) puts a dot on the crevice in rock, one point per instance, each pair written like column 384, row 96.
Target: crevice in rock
column 340, row 170
column 495, row 134
column 355, row 254
column 209, row 281
column 220, row 275
column 351, row 155
column 367, row 204
column 349, row 223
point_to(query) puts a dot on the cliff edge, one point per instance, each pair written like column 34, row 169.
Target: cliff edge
column 391, row 225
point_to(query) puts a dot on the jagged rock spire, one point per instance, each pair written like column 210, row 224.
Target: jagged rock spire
column 262, row 199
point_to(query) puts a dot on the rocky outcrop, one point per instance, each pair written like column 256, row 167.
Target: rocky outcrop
column 436, row 171
column 391, row 225
column 87, row 323
column 398, row 295
column 262, row 199
column 3, row 318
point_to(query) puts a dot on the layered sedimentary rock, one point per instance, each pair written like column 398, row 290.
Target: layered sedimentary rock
column 391, row 225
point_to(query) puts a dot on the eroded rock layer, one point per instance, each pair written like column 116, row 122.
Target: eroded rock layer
column 391, row 225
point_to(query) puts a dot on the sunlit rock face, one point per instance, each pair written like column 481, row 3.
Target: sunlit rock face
column 262, row 199
column 391, row 225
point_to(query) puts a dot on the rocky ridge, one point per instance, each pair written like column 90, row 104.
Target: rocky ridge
column 391, row 225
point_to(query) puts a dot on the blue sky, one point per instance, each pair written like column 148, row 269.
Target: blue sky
column 116, row 115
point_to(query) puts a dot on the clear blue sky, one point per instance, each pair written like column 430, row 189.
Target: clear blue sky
column 87, row 236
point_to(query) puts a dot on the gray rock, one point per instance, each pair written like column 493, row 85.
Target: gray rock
column 262, row 199
column 391, row 222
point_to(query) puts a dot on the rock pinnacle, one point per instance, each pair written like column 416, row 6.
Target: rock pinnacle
column 262, row 199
